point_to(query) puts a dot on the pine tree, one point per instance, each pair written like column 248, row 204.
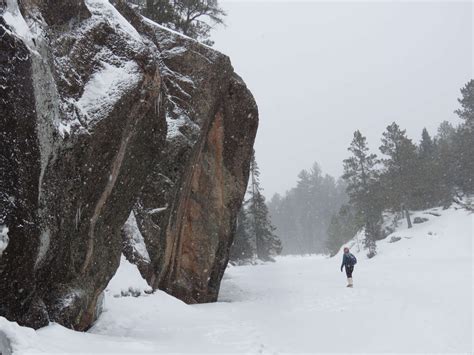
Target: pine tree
column 361, row 176
column 464, row 144
column 261, row 229
column 427, row 189
column 343, row 227
column 399, row 178
column 426, row 145
column 242, row 250
column 304, row 218
column 464, row 159
column 446, row 161
column 162, row 12
column 193, row 18
column 466, row 112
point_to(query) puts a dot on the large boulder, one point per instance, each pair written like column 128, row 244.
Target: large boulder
column 81, row 119
column 116, row 136
column 187, row 210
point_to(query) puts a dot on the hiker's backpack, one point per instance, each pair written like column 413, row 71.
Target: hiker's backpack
column 352, row 259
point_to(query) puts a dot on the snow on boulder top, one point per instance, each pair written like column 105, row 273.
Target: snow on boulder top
column 106, row 87
column 104, row 8
column 15, row 20
column 173, row 32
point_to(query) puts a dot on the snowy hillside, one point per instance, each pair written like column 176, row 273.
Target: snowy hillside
column 446, row 231
column 414, row 296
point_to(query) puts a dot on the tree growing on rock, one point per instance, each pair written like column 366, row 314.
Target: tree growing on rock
column 361, row 176
column 193, row 18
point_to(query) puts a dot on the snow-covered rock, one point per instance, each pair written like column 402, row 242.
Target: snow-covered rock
column 212, row 121
column 81, row 117
column 87, row 94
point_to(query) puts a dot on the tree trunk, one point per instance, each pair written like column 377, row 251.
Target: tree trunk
column 407, row 215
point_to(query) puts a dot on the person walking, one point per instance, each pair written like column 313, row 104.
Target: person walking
column 348, row 261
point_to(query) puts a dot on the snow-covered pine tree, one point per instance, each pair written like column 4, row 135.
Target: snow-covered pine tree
column 261, row 229
column 361, row 176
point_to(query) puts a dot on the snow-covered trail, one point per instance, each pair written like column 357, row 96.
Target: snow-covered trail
column 393, row 308
column 415, row 296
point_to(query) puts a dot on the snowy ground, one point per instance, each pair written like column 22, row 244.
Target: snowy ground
column 415, row 296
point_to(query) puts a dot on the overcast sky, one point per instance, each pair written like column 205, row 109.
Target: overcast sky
column 321, row 70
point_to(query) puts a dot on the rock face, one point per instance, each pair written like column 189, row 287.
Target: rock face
column 116, row 136
column 186, row 212
column 81, row 119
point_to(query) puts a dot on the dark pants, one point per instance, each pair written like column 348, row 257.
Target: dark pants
column 349, row 269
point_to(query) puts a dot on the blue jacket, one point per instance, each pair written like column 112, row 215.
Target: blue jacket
column 346, row 261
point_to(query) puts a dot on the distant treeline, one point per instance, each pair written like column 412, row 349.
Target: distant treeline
column 321, row 213
column 303, row 215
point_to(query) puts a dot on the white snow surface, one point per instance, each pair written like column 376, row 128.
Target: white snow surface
column 3, row 238
column 106, row 87
column 157, row 210
column 127, row 277
column 16, row 21
column 103, row 8
column 137, row 242
column 414, row 296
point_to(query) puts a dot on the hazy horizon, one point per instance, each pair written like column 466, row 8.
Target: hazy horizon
column 321, row 70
